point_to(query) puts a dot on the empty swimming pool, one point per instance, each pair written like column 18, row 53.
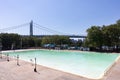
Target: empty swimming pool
column 87, row 64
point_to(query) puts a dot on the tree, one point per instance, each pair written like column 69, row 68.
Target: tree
column 79, row 42
column 112, row 35
column 58, row 40
column 108, row 36
column 9, row 39
column 95, row 37
column 28, row 42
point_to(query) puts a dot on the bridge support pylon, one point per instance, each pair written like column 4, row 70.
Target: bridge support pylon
column 31, row 28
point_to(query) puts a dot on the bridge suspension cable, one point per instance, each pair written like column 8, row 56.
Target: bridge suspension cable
column 48, row 29
column 13, row 27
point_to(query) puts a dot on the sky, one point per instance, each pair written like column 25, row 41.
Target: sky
column 65, row 16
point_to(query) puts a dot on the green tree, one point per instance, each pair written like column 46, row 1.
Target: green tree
column 95, row 37
column 112, row 35
column 9, row 39
column 79, row 42
column 28, row 42
column 108, row 36
column 58, row 40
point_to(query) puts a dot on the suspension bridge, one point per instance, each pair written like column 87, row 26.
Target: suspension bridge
column 30, row 28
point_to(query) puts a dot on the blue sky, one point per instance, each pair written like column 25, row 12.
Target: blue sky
column 67, row 16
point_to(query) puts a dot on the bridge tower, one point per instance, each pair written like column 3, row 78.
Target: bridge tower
column 31, row 28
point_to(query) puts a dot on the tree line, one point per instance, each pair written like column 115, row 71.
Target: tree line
column 16, row 41
column 61, row 41
column 104, row 38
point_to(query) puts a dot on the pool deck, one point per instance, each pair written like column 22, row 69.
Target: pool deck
column 11, row 71
column 114, row 72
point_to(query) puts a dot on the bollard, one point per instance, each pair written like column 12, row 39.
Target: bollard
column 18, row 60
column 32, row 62
column 35, row 66
column 8, row 57
column 1, row 54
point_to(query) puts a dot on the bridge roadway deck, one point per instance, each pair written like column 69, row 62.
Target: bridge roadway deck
column 71, row 36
